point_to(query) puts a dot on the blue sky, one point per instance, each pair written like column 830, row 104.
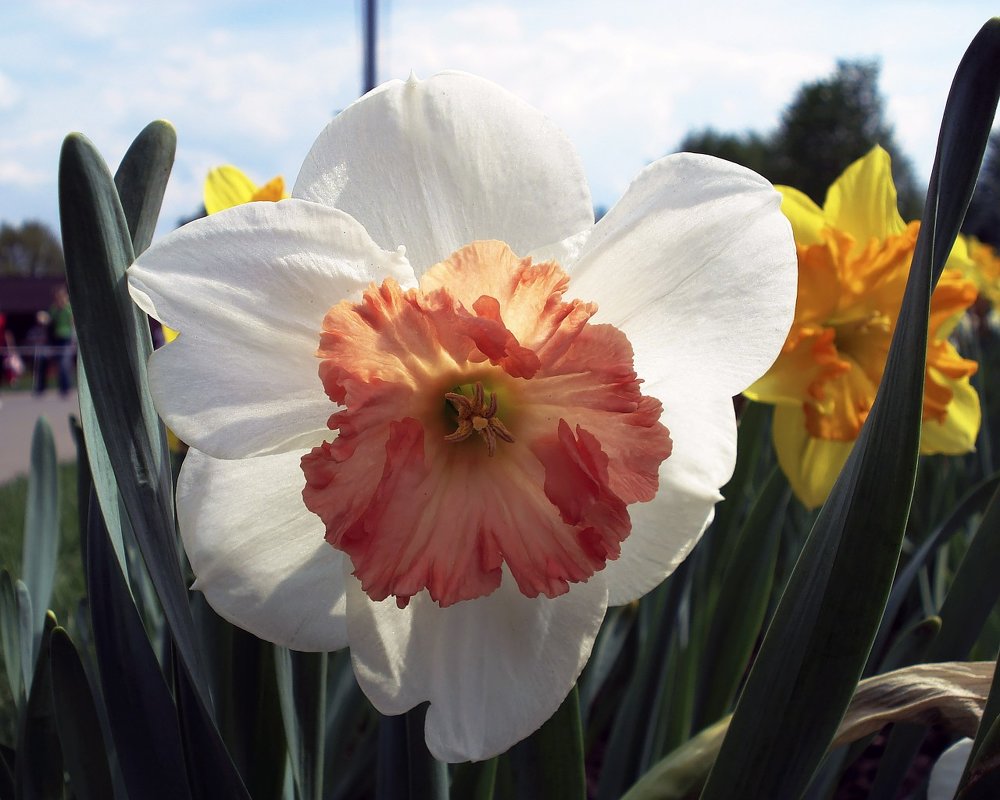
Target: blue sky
column 253, row 83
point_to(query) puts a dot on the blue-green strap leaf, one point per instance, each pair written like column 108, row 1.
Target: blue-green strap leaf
column 611, row 638
column 84, row 752
column 741, row 607
column 26, row 634
column 102, row 474
column 973, row 502
column 41, row 525
column 655, row 631
column 141, row 180
column 210, row 768
column 981, row 778
column 549, row 765
column 474, row 780
column 140, row 709
column 10, row 638
column 810, row 660
column 302, row 679
column 971, row 598
column 115, row 343
column 7, row 758
column 246, row 696
column 406, row 770
column 973, row 593
column 351, row 732
column 39, row 770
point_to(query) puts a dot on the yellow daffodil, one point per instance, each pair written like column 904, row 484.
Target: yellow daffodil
column 983, row 268
column 229, row 186
column 854, row 256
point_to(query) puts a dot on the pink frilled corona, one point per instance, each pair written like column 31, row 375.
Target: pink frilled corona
column 486, row 422
column 441, row 417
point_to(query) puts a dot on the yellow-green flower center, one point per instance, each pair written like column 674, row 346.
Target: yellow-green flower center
column 477, row 413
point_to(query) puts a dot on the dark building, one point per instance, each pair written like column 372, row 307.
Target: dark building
column 22, row 298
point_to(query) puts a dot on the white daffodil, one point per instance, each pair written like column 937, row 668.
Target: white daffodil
column 948, row 769
column 408, row 439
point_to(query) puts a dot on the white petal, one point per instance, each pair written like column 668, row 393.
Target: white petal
column 947, row 771
column 258, row 553
column 665, row 529
column 248, row 288
column 437, row 164
column 696, row 264
column 565, row 251
column 493, row 669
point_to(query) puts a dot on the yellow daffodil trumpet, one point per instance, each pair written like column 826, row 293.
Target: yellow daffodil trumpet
column 854, row 257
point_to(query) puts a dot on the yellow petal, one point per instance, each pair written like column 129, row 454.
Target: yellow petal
column 953, row 294
column 960, row 257
column 175, row 444
column 808, row 359
column 272, row 191
column 842, row 404
column 227, row 186
column 820, row 283
column 957, row 434
column 985, row 270
column 862, row 201
column 811, row 465
column 806, row 217
column 874, row 275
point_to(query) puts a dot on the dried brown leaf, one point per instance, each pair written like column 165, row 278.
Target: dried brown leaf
column 952, row 693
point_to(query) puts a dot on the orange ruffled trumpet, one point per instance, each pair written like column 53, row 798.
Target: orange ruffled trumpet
column 854, row 257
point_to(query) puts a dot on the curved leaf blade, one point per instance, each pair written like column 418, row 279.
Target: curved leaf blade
column 38, row 773
column 810, row 660
column 10, row 638
column 302, row 694
column 115, row 343
column 141, row 180
column 973, row 502
column 84, row 753
column 41, row 525
column 548, row 765
column 140, row 709
column 740, row 610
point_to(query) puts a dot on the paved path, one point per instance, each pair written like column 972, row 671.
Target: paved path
column 18, row 413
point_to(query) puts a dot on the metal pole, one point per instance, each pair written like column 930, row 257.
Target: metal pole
column 371, row 37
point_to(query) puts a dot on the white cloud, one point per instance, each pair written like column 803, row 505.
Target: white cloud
column 92, row 19
column 625, row 91
column 247, row 98
column 253, row 83
column 16, row 174
column 628, row 84
column 9, row 93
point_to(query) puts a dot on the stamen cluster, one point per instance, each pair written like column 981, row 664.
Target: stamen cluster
column 475, row 415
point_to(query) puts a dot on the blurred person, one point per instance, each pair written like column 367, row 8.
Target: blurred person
column 12, row 365
column 37, row 338
column 63, row 337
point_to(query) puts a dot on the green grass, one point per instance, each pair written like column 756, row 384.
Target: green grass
column 69, row 587
column 24, row 383
column 69, row 584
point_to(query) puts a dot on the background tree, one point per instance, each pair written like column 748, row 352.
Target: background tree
column 748, row 148
column 833, row 122
column 30, row 250
column 983, row 217
column 829, row 123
